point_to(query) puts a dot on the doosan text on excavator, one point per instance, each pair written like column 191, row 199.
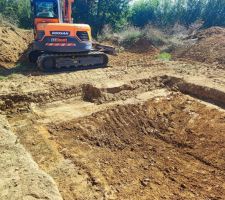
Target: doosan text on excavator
column 58, row 43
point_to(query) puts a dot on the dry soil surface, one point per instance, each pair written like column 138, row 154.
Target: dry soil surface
column 139, row 129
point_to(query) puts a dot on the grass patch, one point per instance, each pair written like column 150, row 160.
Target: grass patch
column 164, row 56
column 2, row 78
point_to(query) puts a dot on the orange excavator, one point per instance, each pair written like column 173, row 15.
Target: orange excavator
column 60, row 44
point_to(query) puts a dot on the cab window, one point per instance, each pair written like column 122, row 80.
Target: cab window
column 46, row 9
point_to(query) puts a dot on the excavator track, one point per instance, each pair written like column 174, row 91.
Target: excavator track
column 71, row 61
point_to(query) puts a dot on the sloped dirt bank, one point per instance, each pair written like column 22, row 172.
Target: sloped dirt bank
column 13, row 43
column 21, row 177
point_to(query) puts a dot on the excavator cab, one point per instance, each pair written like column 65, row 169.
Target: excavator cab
column 58, row 43
column 46, row 9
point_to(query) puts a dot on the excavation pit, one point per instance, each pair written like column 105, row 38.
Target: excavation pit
column 169, row 147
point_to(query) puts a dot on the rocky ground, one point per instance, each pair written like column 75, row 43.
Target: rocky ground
column 141, row 128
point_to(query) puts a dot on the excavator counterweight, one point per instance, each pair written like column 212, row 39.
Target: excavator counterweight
column 58, row 43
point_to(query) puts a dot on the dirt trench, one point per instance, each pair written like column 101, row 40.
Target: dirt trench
column 146, row 139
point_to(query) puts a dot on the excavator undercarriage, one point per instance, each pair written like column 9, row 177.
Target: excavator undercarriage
column 71, row 61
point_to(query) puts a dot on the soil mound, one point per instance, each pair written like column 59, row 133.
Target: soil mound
column 13, row 43
column 142, row 46
column 210, row 32
column 209, row 48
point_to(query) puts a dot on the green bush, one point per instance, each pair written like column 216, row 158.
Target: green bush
column 169, row 12
column 143, row 12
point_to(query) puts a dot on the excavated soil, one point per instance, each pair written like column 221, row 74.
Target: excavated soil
column 149, row 151
column 159, row 144
column 139, row 129
column 209, row 48
column 13, row 44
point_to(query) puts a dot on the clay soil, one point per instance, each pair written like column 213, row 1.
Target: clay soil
column 141, row 128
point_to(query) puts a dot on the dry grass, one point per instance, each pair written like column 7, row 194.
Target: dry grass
column 131, row 35
column 7, row 22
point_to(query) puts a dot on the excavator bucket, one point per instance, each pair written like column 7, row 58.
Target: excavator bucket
column 104, row 48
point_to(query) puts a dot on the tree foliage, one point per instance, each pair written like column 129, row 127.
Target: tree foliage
column 143, row 11
column 101, row 12
column 214, row 13
column 17, row 11
column 167, row 12
column 118, row 13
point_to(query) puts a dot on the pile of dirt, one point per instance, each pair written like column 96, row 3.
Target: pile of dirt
column 142, row 46
column 210, row 32
column 13, row 43
column 209, row 48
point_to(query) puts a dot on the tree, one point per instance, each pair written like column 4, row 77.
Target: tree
column 116, row 13
column 144, row 12
column 24, row 14
column 192, row 12
column 214, row 13
column 17, row 11
column 167, row 12
column 98, row 13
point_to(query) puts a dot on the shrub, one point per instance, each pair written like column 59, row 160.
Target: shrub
column 147, row 37
column 155, row 36
column 7, row 21
column 130, row 35
column 106, row 34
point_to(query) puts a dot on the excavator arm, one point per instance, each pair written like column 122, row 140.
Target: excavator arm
column 67, row 10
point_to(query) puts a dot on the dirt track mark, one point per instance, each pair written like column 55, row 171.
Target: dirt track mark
column 20, row 102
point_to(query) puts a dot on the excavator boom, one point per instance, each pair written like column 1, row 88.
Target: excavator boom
column 67, row 10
